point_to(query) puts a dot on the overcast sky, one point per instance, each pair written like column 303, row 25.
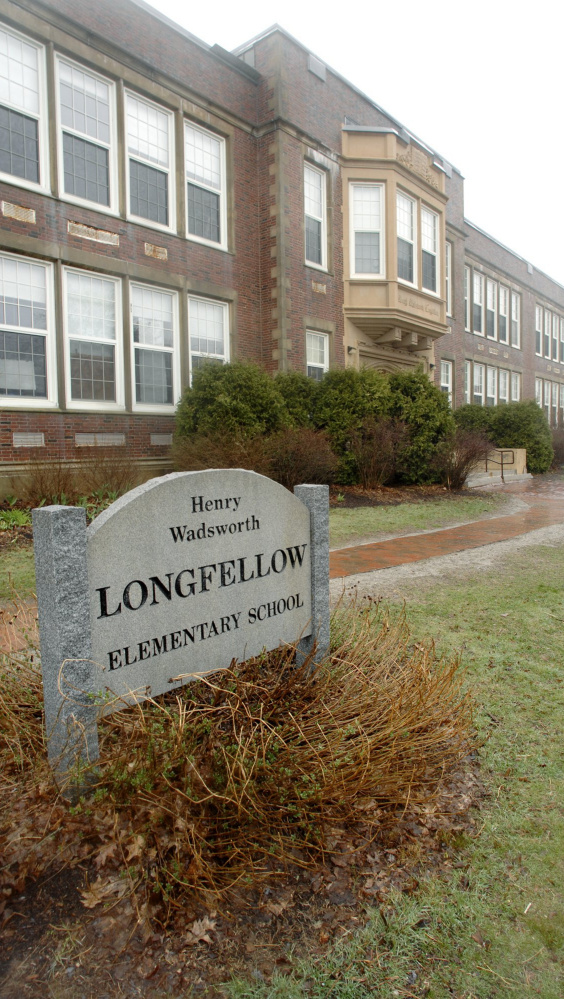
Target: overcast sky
column 481, row 83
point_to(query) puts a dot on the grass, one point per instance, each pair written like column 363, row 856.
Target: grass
column 347, row 526
column 18, row 573
column 494, row 928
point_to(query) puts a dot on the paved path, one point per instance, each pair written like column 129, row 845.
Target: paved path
column 544, row 498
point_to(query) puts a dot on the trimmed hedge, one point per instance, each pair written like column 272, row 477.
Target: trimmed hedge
column 427, row 414
column 513, row 425
column 237, row 399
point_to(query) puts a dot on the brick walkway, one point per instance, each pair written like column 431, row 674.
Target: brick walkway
column 545, row 499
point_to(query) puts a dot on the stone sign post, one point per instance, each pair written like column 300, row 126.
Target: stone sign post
column 174, row 580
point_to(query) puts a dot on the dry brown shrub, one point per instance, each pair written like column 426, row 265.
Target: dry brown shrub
column 301, row 455
column 201, row 451
column 108, row 471
column 46, row 482
column 240, row 773
column 377, row 448
column 458, row 454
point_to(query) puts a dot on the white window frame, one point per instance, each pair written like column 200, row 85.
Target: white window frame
column 555, row 335
column 51, row 399
column 448, row 277
column 503, row 385
column 41, row 118
column 562, row 341
column 515, row 341
column 491, row 307
column 147, row 407
column 170, row 170
column 562, row 400
column 547, row 398
column 478, row 282
column 491, row 380
column 538, row 330
column 226, row 332
column 467, row 381
column 113, row 207
column 435, row 253
column 554, row 408
column 381, row 274
column 503, row 304
column 222, row 243
column 515, row 386
column 467, row 298
column 478, row 380
column 314, row 364
column 322, row 219
column 538, row 392
column 413, row 242
column 547, row 335
column 446, row 379
column 95, row 405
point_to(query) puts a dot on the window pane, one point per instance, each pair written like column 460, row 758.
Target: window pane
column 91, row 308
column 405, row 210
column 153, row 376
column 19, row 145
column 147, row 132
column 313, row 192
column 313, row 240
column 428, row 231
column 367, row 252
column 86, row 169
column 23, row 295
column 429, row 271
column 203, row 157
column 85, row 103
column 366, row 208
column 203, row 213
column 206, row 322
column 148, row 192
column 152, row 317
column 92, row 371
column 19, row 73
column 405, row 260
column 23, row 370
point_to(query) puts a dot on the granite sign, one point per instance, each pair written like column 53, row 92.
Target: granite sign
column 176, row 579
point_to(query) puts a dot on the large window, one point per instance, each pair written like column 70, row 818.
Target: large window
column 23, row 150
column 538, row 330
column 446, row 379
column 515, row 386
column 467, row 280
column 491, row 309
column 86, row 114
column 317, row 350
column 26, row 332
column 503, row 318
column 367, row 230
column 479, row 384
column 406, row 223
column 315, row 210
column 448, row 277
column 94, row 369
column 515, row 320
column 154, row 329
column 555, row 336
column 205, row 177
column 150, row 157
column 467, row 381
column 208, row 327
column 491, row 386
column 503, row 386
column 478, row 312
column 429, row 250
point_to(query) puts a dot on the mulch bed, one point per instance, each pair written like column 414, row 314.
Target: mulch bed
column 355, row 496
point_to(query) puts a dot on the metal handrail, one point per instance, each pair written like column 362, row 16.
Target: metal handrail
column 493, row 461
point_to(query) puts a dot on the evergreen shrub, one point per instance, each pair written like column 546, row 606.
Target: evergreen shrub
column 513, row 425
column 299, row 394
column 426, row 412
column 233, row 399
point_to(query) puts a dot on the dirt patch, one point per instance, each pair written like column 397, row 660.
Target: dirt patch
column 52, row 943
column 351, row 497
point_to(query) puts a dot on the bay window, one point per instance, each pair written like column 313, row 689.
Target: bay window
column 406, row 222
column 367, row 230
column 429, row 250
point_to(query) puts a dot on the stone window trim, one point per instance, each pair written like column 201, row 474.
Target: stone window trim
column 173, row 352
column 315, row 215
column 95, row 405
column 206, row 186
column 40, row 116
column 167, row 170
column 98, row 145
column 47, row 335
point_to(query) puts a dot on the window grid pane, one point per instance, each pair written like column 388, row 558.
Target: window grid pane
column 92, row 371
column 91, row 307
column 85, row 103
column 147, row 132
column 152, row 313
column 148, row 192
column 203, row 213
column 19, row 74
column 366, row 208
column 23, row 365
column 153, row 377
column 23, row 294
column 313, row 193
column 503, row 386
column 86, row 170
column 203, row 157
column 19, row 145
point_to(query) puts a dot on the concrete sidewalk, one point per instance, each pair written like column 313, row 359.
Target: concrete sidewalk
column 544, row 497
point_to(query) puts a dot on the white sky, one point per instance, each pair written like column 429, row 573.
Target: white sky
column 480, row 82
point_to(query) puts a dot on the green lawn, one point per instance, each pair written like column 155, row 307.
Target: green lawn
column 348, row 526
column 497, row 931
column 17, row 575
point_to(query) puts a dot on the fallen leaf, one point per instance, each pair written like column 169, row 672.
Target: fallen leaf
column 199, row 931
column 103, row 891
